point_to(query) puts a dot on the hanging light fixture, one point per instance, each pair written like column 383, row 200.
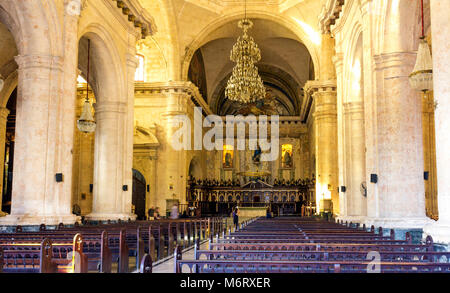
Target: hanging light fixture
column 421, row 78
column 245, row 85
column 86, row 123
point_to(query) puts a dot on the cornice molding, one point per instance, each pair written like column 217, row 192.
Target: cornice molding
column 329, row 14
column 177, row 87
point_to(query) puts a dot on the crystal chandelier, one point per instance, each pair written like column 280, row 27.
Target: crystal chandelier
column 421, row 78
column 86, row 123
column 245, row 85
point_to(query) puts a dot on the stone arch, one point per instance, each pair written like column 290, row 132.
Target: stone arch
column 108, row 75
column 34, row 25
column 397, row 27
column 291, row 25
column 195, row 169
column 355, row 40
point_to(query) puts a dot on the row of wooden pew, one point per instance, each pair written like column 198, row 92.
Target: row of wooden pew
column 309, row 245
column 99, row 248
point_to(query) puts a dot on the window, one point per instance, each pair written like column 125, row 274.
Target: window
column 139, row 75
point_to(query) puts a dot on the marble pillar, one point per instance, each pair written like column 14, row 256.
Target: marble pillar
column 354, row 141
column 325, row 118
column 83, row 166
column 324, row 94
column 440, row 24
column 399, row 192
column 3, row 119
column 172, row 174
column 109, row 200
column 35, row 196
column 429, row 151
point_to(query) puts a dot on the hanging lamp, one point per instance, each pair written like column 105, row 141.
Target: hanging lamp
column 245, row 84
column 86, row 123
column 421, row 78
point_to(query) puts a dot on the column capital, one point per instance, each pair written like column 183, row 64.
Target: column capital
column 4, row 112
column 313, row 86
column 398, row 64
column 354, row 107
column 185, row 88
column 110, row 107
column 39, row 61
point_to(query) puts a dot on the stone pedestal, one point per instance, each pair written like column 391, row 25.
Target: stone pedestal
column 440, row 23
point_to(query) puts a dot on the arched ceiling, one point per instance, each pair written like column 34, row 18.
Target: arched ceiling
column 285, row 65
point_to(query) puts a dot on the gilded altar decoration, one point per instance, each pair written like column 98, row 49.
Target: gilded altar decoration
column 286, row 156
column 227, row 160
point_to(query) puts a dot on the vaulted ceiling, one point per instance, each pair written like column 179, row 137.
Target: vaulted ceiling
column 285, row 65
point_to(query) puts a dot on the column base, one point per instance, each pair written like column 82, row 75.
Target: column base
column 112, row 217
column 439, row 231
column 353, row 219
column 32, row 220
column 397, row 223
column 3, row 214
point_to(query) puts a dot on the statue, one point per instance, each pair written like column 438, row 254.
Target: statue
column 257, row 155
column 228, row 163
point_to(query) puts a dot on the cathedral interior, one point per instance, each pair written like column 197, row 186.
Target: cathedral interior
column 93, row 93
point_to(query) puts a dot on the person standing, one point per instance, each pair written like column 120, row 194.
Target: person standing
column 235, row 215
column 156, row 214
column 151, row 213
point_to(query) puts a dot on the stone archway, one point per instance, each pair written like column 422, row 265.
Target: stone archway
column 111, row 197
column 289, row 24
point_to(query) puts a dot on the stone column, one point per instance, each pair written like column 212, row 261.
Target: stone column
column 34, row 196
column 3, row 119
column 339, row 64
column 325, row 119
column 68, row 103
column 440, row 24
column 429, row 150
column 171, row 162
column 153, row 186
column 393, row 118
column 399, row 191
column 108, row 201
column 355, row 160
column 83, row 165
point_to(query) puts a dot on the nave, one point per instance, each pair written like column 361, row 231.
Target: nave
column 122, row 247
column 310, row 245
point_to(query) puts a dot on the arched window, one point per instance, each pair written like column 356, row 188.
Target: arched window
column 140, row 70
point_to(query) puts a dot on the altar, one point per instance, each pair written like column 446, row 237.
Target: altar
column 251, row 212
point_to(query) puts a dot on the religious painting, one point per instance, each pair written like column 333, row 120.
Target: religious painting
column 227, row 156
column 269, row 105
column 197, row 74
column 286, row 156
